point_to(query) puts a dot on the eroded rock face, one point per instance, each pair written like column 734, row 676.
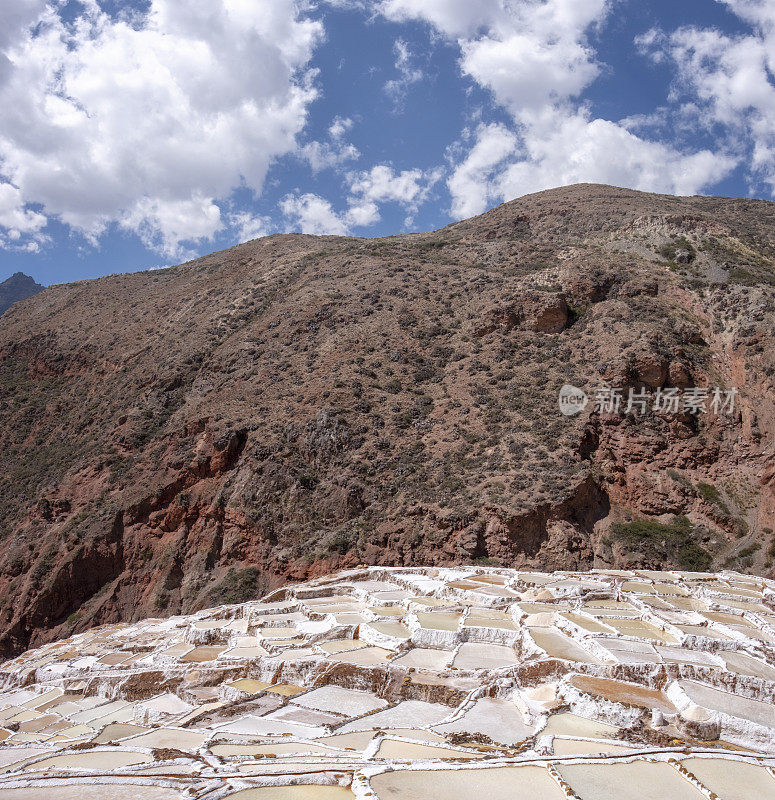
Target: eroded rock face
column 297, row 405
column 395, row 682
column 546, row 313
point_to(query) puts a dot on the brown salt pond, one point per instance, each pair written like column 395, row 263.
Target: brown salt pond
column 118, row 730
column 495, row 783
column 589, row 624
column 249, row 686
column 641, row 629
column 387, row 611
column 338, row 645
column 584, row 747
column 700, row 630
column 394, row 749
column 748, row 665
column 630, row 694
column 489, row 618
column 202, row 654
column 177, row 738
column 365, row 657
column 558, row 645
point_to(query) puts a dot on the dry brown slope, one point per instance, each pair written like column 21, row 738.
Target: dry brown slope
column 297, row 403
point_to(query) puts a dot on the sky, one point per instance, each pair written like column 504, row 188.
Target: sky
column 139, row 134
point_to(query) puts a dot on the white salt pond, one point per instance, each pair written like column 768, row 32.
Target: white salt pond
column 90, row 760
column 303, row 792
column 500, row 720
column 637, row 780
column 473, row 656
column 732, row 780
column 92, row 791
column 496, row 783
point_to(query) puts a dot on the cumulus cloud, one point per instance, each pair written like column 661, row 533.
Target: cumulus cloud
column 474, row 182
column 310, row 213
column 334, row 152
column 535, row 59
column 726, row 80
column 17, row 221
column 247, row 226
column 368, row 190
column 149, row 121
column 599, row 151
column 381, row 184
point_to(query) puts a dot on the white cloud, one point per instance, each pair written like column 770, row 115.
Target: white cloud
column 149, row 122
column 333, row 153
column 15, row 219
column 525, row 52
column 599, row 151
column 408, row 74
column 453, row 18
column 248, row 226
column 381, row 184
column 310, row 213
column 473, row 183
column 325, row 155
column 728, row 81
column 368, row 189
column 535, row 58
column 339, row 127
column 362, row 213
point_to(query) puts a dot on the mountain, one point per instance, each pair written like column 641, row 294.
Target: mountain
column 18, row 287
column 175, row 439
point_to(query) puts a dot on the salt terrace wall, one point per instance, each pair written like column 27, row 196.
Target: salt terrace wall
column 412, row 683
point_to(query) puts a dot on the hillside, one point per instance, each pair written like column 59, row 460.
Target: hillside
column 298, row 404
column 18, row 287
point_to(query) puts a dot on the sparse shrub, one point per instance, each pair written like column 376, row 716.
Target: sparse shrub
column 238, row 586
column 711, row 494
column 661, row 543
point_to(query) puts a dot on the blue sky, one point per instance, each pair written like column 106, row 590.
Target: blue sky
column 139, row 134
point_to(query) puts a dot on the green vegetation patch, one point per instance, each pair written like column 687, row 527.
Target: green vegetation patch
column 670, row 250
column 711, row 494
column 238, row 586
column 661, row 543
